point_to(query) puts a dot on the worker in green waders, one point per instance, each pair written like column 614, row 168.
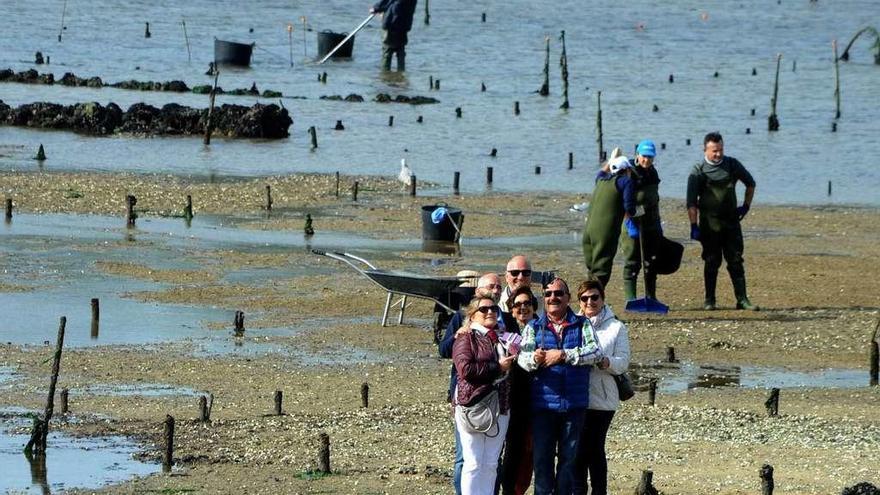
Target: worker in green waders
column 715, row 217
column 613, row 198
column 646, row 222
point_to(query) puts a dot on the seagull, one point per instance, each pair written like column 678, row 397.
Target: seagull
column 405, row 174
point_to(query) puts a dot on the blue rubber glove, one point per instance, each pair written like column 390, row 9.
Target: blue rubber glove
column 695, row 232
column 742, row 211
column 632, row 229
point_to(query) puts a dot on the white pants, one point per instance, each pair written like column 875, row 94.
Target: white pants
column 481, row 453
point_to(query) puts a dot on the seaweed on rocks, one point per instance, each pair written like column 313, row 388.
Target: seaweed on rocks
column 233, row 121
column 412, row 100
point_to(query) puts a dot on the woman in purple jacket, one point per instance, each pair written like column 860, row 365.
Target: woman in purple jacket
column 482, row 362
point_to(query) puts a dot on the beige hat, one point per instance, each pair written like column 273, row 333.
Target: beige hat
column 469, row 278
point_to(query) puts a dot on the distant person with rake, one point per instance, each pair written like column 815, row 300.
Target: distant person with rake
column 397, row 21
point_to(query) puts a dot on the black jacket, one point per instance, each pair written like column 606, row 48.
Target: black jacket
column 398, row 14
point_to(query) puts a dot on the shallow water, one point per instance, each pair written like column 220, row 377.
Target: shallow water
column 627, row 50
column 69, row 463
column 688, row 376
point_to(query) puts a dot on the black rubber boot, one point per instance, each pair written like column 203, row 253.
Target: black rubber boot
column 629, row 283
column 742, row 300
column 709, row 278
column 651, row 286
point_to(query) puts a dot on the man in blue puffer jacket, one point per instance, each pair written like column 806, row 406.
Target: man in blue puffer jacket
column 397, row 23
column 557, row 350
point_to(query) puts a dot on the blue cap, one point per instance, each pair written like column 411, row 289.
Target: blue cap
column 646, row 148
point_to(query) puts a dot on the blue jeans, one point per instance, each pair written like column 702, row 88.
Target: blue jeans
column 556, row 433
column 459, row 462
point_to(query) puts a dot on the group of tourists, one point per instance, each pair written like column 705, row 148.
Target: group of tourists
column 546, row 380
column 625, row 212
column 533, row 395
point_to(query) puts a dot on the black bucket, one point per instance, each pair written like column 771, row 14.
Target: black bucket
column 446, row 230
column 327, row 40
column 232, row 53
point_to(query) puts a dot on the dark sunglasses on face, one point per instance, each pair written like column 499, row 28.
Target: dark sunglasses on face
column 516, row 273
column 590, row 297
column 486, row 309
column 521, row 303
column 557, row 293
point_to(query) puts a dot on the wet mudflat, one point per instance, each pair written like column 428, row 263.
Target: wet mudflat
column 312, row 332
column 72, row 462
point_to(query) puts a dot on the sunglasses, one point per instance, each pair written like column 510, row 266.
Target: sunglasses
column 590, row 297
column 486, row 309
column 516, row 273
column 557, row 293
column 521, row 303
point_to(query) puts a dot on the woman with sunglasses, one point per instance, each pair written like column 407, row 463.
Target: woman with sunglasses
column 482, row 362
column 613, row 339
column 516, row 471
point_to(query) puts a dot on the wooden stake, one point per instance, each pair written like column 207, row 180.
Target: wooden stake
column 147, row 31
column 772, row 403
column 278, row 398
column 670, row 355
column 455, row 180
column 96, row 317
column 836, row 80
column 537, row 170
column 874, row 354
column 168, row 454
column 337, row 183
column 652, row 392
column 8, row 209
column 209, row 125
column 563, row 62
column 427, row 22
column 437, row 85
column 365, row 395
column 570, row 160
column 391, row 121
column 204, row 415
column 268, row 197
column 412, row 186
column 767, row 483
column 354, row 191
column 238, row 323
column 488, row 175
column 545, row 88
column 431, row 83
column 324, row 454
column 458, row 112
column 646, row 484
column 314, row 135
column 130, row 215
column 599, row 125
column 37, row 443
column 188, row 209
column 64, row 400
column 773, row 119
column 516, row 108
column 829, row 188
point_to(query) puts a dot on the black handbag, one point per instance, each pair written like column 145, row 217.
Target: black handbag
column 667, row 256
column 624, row 386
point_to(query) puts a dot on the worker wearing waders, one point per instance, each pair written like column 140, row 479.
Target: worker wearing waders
column 711, row 197
column 397, row 21
column 646, row 223
column 613, row 198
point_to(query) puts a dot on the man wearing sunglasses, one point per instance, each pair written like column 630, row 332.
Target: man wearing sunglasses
column 556, row 350
column 518, row 274
column 488, row 285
